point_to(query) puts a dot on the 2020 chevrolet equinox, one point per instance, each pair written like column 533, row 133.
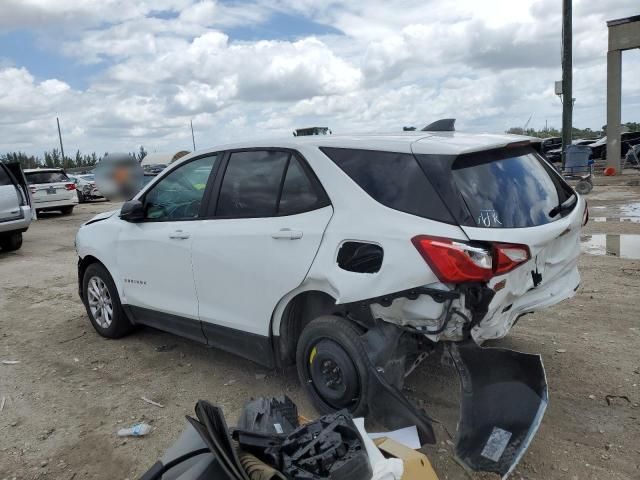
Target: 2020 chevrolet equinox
column 309, row 250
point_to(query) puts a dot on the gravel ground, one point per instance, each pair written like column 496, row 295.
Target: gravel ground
column 72, row 389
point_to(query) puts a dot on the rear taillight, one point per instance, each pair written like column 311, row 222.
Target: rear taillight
column 457, row 262
column 70, row 186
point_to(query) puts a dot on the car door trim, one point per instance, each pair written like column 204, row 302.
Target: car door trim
column 251, row 346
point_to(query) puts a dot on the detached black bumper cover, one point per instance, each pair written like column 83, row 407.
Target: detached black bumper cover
column 503, row 399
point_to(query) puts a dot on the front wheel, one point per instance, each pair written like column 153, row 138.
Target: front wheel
column 11, row 242
column 333, row 365
column 102, row 302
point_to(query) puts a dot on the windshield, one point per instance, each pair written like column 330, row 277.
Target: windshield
column 504, row 191
column 88, row 178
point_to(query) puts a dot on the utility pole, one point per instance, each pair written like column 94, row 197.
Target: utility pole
column 60, row 137
column 193, row 138
column 567, row 77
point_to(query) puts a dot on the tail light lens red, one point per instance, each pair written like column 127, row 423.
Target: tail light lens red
column 70, row 186
column 454, row 261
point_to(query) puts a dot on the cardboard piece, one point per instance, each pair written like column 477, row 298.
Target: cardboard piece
column 416, row 464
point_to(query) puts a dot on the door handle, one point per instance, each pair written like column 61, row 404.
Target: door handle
column 179, row 235
column 287, row 234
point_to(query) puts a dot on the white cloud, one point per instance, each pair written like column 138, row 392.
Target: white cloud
column 490, row 64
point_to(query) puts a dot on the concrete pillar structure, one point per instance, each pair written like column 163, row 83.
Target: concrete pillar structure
column 624, row 34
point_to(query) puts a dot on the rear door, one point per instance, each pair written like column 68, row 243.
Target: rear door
column 266, row 220
column 9, row 196
column 50, row 186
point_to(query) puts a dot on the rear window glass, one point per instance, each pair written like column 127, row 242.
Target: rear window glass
column 508, row 191
column 46, row 177
column 393, row 179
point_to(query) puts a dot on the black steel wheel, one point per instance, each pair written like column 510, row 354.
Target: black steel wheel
column 333, row 366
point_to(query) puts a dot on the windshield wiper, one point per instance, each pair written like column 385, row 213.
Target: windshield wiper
column 564, row 206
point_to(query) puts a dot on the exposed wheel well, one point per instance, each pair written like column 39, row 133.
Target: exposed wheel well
column 300, row 310
column 83, row 263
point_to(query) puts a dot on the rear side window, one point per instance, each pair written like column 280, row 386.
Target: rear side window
column 46, row 177
column 508, row 190
column 393, row 179
column 4, row 177
column 299, row 192
column 251, row 184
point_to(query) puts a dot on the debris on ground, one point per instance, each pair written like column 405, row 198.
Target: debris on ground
column 4, row 399
column 166, row 348
column 137, row 430
column 229, row 383
column 10, row 362
column 145, row 399
column 611, row 399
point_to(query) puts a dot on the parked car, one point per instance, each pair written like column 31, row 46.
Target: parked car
column 51, row 189
column 15, row 206
column 85, row 187
column 342, row 253
column 627, row 140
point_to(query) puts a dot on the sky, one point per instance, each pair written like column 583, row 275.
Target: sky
column 125, row 73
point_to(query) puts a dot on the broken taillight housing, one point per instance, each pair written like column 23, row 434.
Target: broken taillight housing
column 454, row 261
column 585, row 214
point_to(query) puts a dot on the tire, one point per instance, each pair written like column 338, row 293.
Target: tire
column 67, row 210
column 583, row 187
column 119, row 325
column 81, row 198
column 328, row 343
column 11, row 242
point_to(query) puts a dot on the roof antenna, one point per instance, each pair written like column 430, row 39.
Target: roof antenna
column 442, row 125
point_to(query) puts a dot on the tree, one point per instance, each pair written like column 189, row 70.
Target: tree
column 141, row 154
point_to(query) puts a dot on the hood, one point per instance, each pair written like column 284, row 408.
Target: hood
column 101, row 216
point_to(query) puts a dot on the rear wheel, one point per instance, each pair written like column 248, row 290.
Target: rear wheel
column 333, row 366
column 102, row 302
column 67, row 210
column 81, row 198
column 11, row 242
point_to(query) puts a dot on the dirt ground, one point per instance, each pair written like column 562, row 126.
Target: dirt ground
column 72, row 389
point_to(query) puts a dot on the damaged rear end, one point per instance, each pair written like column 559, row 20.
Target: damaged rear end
column 518, row 253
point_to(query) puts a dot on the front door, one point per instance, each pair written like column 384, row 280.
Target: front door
column 266, row 227
column 154, row 256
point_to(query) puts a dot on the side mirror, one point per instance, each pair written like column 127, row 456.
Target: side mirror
column 132, row 211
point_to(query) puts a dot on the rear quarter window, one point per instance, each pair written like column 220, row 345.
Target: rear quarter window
column 395, row 180
column 46, row 177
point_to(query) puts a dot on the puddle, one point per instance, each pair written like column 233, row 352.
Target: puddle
column 625, row 246
column 628, row 212
column 616, row 219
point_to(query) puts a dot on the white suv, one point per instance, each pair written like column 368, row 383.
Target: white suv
column 52, row 189
column 337, row 253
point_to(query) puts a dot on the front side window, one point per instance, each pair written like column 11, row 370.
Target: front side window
column 4, row 177
column 178, row 196
column 251, row 184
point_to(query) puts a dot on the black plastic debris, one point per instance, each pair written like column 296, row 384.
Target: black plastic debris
column 330, row 448
column 504, row 397
column 275, row 415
